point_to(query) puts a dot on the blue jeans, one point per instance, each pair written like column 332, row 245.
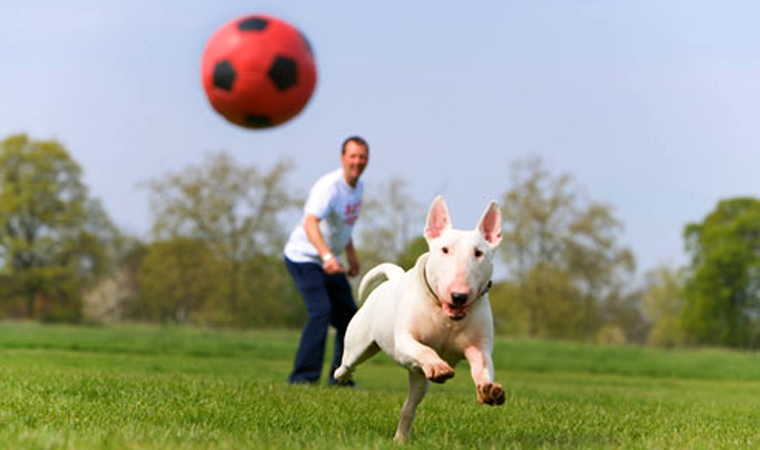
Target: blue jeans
column 329, row 301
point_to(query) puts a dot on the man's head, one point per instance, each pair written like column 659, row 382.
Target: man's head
column 354, row 157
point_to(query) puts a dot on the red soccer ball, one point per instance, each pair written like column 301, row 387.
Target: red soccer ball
column 258, row 71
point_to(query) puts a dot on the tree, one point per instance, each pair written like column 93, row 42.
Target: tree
column 552, row 302
column 391, row 220
column 116, row 296
column 53, row 236
column 536, row 213
column 236, row 210
column 178, row 280
column 561, row 251
column 663, row 305
column 510, row 314
column 275, row 298
column 414, row 249
column 723, row 279
column 622, row 317
column 596, row 262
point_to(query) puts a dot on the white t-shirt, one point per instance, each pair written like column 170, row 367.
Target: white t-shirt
column 336, row 204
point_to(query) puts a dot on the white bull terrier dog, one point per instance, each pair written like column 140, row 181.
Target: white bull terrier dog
column 433, row 316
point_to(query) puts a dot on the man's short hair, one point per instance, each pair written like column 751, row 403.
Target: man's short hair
column 357, row 139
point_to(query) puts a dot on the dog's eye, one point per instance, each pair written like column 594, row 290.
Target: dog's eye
column 478, row 253
column 445, row 250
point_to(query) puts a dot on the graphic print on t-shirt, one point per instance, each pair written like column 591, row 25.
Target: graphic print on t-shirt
column 352, row 212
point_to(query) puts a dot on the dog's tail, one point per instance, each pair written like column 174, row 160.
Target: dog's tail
column 376, row 276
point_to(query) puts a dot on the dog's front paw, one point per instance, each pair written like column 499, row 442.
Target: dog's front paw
column 491, row 394
column 439, row 372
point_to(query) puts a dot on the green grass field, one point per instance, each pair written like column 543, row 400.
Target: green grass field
column 152, row 387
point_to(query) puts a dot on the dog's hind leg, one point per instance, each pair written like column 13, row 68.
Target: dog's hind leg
column 418, row 386
column 358, row 347
column 351, row 359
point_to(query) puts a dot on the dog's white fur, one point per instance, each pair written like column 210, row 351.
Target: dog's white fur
column 433, row 316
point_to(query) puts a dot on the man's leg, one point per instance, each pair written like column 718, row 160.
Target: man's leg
column 343, row 309
column 310, row 281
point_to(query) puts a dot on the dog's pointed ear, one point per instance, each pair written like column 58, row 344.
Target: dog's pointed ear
column 438, row 219
column 490, row 224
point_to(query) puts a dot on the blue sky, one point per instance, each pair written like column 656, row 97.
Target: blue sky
column 653, row 106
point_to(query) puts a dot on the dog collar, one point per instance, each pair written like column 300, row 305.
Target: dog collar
column 486, row 289
column 430, row 288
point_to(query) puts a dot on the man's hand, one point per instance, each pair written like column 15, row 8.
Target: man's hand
column 353, row 264
column 332, row 266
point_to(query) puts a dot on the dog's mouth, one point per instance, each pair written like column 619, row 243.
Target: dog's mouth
column 455, row 312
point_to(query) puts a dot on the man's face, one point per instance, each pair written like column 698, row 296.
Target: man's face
column 354, row 159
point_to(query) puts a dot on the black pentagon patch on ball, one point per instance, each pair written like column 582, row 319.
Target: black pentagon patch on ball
column 224, row 75
column 283, row 73
column 253, row 24
column 254, row 121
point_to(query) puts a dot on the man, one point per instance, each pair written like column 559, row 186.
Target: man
column 312, row 256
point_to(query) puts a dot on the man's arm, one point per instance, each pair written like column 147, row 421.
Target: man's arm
column 330, row 263
column 353, row 261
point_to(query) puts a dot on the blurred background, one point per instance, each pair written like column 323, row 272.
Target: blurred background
column 620, row 139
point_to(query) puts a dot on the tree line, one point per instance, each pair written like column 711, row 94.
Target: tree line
column 214, row 254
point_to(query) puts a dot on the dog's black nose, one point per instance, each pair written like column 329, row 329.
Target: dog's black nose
column 458, row 299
